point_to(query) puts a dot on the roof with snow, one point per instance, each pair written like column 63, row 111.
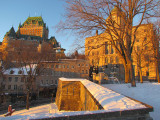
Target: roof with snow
column 20, row 71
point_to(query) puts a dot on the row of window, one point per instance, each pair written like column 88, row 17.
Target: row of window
column 15, row 79
column 61, row 73
column 67, row 66
column 15, row 87
column 48, row 82
column 112, row 60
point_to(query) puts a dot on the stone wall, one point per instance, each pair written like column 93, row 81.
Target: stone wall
column 73, row 96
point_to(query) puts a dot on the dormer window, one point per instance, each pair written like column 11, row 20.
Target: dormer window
column 20, row 72
column 11, row 72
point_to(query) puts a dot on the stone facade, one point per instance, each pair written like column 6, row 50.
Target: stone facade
column 100, row 52
column 70, row 68
column 13, row 81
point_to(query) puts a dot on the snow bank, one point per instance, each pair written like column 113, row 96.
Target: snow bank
column 148, row 93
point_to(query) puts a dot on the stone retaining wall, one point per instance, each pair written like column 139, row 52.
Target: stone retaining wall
column 75, row 96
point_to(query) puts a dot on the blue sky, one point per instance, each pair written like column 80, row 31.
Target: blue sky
column 12, row 12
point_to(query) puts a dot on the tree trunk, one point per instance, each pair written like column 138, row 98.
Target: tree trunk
column 140, row 75
column 157, row 72
column 126, row 74
column 27, row 101
column 131, row 73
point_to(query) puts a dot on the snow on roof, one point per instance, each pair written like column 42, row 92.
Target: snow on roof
column 15, row 71
column 110, row 100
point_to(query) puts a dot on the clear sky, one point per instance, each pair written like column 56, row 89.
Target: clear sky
column 12, row 12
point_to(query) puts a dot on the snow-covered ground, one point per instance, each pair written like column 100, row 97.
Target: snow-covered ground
column 148, row 93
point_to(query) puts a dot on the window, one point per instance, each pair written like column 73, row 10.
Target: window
column 20, row 72
column 86, row 65
column 92, row 40
column 9, row 87
column 92, row 61
column 22, row 79
column 82, row 71
column 16, row 79
column 111, row 50
column 11, row 72
column 106, row 60
column 106, row 47
column 147, row 73
column 59, row 66
column 97, row 52
column 63, row 66
column 72, row 66
column 93, row 53
column 138, row 48
column 117, row 59
column 41, row 81
column 86, row 71
column 79, row 65
column 56, row 66
column 3, row 86
column 29, row 72
column 52, row 66
column 15, row 87
column 146, row 47
column 145, row 39
column 10, row 79
column 55, row 81
column 111, row 59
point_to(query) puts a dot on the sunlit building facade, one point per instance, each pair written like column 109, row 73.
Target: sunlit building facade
column 101, row 53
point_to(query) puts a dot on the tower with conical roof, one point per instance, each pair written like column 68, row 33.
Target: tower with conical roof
column 9, row 36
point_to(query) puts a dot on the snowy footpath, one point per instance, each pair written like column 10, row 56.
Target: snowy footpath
column 31, row 113
column 148, row 93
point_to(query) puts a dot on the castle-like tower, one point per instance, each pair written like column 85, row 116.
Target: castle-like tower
column 33, row 32
column 33, row 26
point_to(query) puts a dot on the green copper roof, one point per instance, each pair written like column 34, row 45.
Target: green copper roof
column 11, row 33
column 53, row 41
column 34, row 20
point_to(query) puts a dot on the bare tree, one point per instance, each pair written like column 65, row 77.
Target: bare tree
column 29, row 60
column 84, row 17
column 142, row 54
column 155, row 41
